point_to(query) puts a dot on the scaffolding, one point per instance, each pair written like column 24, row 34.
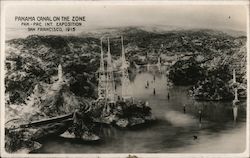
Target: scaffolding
column 110, row 85
column 126, row 86
column 102, row 77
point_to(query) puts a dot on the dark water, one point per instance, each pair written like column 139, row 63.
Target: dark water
column 174, row 130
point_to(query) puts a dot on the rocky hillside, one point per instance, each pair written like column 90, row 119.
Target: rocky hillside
column 35, row 59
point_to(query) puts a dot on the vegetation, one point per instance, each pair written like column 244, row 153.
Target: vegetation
column 186, row 72
column 35, row 58
column 207, row 58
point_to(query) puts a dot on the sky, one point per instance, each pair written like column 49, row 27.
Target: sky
column 104, row 16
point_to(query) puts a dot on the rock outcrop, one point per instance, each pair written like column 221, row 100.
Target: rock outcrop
column 212, row 88
column 217, row 85
column 186, row 72
column 123, row 114
column 45, row 102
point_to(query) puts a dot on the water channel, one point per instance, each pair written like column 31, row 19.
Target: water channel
column 175, row 131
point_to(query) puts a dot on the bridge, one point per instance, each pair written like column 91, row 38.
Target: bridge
column 48, row 121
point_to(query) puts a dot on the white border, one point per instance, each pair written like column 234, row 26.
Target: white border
column 146, row 155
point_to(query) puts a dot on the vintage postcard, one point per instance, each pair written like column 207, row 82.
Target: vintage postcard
column 129, row 79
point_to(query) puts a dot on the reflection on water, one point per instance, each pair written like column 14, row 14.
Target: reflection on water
column 178, row 127
column 235, row 112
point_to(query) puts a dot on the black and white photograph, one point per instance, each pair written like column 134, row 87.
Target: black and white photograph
column 136, row 78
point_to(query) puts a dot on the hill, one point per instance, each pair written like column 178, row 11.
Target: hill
column 35, row 59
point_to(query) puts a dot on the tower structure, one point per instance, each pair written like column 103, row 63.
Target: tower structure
column 236, row 95
column 110, row 85
column 60, row 73
column 235, row 112
column 101, row 77
column 126, row 86
column 234, row 76
column 159, row 64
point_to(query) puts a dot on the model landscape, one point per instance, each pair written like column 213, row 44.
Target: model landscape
column 66, row 85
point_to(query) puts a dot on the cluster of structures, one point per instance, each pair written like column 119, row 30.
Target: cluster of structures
column 106, row 85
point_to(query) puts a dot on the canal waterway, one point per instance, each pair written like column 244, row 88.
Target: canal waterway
column 183, row 125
